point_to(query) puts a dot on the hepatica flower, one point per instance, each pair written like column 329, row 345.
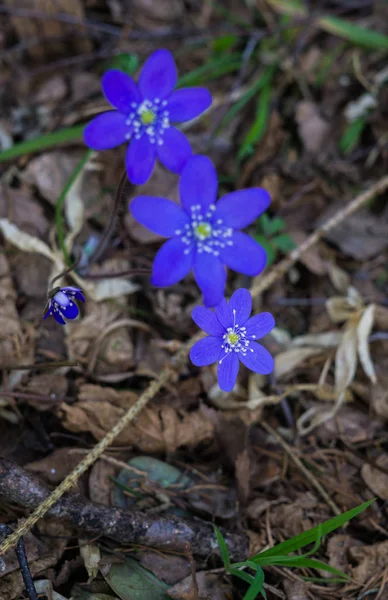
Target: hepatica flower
column 61, row 304
column 143, row 116
column 204, row 234
column 232, row 338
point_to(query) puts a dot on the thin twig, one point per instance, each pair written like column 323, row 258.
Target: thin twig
column 281, row 268
column 179, row 359
column 314, row 482
column 23, row 563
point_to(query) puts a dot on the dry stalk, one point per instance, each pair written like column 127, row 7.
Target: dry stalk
column 265, row 282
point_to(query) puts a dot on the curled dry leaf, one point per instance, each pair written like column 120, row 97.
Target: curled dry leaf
column 156, row 429
column 91, row 556
column 286, row 362
column 346, row 359
column 371, row 559
column 24, row 241
column 363, row 332
column 11, row 332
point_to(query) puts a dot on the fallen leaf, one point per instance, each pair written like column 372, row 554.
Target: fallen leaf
column 346, row 360
column 375, row 479
column 312, row 128
column 91, row 556
column 287, row 361
column 364, row 329
column 372, row 559
column 155, row 430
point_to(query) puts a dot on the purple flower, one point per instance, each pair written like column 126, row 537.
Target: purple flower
column 61, row 303
column 203, row 235
column 232, row 338
column 144, row 112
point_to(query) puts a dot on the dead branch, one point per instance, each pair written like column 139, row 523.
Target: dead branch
column 123, row 526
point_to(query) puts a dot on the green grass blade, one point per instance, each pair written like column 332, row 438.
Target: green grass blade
column 214, row 68
column 258, row 128
column 310, row 536
column 256, row 586
column 223, row 547
column 241, row 575
column 351, row 135
column 43, row 142
column 59, row 220
column 357, row 35
column 351, row 32
column 309, row 563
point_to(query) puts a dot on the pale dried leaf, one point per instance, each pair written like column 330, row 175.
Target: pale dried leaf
column 106, row 288
column 339, row 278
column 24, row 241
column 91, row 556
column 346, row 359
column 363, row 332
column 285, row 362
column 329, row 339
column 339, row 309
column 74, row 210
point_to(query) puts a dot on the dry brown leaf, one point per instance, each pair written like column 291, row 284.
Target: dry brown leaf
column 19, row 207
column 338, row 277
column 312, row 128
column 372, row 560
column 329, row 339
column 24, row 241
column 155, row 430
column 11, row 333
column 55, row 467
column 375, row 479
column 243, row 474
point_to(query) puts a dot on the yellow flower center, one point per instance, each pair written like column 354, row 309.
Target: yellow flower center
column 203, row 231
column 232, row 338
column 147, row 117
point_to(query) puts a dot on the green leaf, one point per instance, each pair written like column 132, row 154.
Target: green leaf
column 223, row 43
column 308, row 563
column 269, row 249
column 256, row 586
column 223, row 547
column 129, row 63
column 258, row 128
column 43, row 142
column 310, row 536
column 131, row 581
column 351, row 135
column 242, row 575
column 284, row 242
column 275, row 225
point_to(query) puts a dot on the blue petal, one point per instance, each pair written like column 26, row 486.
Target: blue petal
column 49, row 310
column 244, row 255
column 210, row 276
column 259, row 325
column 188, row 103
column 140, row 160
column 240, row 208
column 198, row 183
column 74, row 292
column 158, row 76
column 227, row 371
column 175, row 150
column 71, row 311
column 206, row 351
column 120, row 90
column 224, row 314
column 241, row 303
column 206, row 319
column 106, row 131
column 171, row 264
column 160, row 215
column 257, row 359
column 58, row 317
column 60, row 299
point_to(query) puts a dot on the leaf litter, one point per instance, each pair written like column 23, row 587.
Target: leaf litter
column 328, row 395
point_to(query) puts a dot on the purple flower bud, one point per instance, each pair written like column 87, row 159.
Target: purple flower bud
column 62, row 304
